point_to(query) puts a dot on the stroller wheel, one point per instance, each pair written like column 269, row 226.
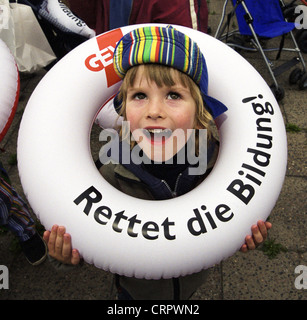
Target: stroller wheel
column 278, row 92
column 295, row 75
column 303, row 82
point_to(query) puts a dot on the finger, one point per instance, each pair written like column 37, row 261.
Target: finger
column 66, row 249
column 249, row 241
column 268, row 225
column 263, row 229
column 70, row 256
column 59, row 240
column 257, row 235
column 75, row 259
column 244, row 248
column 52, row 239
column 46, row 236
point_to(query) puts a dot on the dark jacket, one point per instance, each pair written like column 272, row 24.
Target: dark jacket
column 136, row 181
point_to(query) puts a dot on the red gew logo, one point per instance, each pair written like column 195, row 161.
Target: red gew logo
column 104, row 60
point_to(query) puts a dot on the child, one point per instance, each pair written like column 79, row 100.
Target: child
column 164, row 89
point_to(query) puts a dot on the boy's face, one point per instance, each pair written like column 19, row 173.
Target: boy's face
column 159, row 116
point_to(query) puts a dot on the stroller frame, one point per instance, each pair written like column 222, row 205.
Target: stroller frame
column 297, row 75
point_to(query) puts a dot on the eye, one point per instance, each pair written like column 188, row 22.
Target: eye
column 139, row 96
column 173, row 95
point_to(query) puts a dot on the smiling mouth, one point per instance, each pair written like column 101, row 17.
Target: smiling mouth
column 158, row 135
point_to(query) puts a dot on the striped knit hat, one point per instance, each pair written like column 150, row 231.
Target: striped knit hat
column 166, row 46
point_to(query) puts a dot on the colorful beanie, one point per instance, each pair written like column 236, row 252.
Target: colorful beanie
column 166, row 46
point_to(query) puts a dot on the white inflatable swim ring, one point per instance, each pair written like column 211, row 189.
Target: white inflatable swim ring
column 9, row 86
column 141, row 238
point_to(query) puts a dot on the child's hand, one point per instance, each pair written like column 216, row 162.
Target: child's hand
column 59, row 245
column 259, row 234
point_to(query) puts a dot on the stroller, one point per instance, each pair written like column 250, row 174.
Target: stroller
column 259, row 21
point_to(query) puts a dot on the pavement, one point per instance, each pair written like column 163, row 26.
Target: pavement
column 251, row 276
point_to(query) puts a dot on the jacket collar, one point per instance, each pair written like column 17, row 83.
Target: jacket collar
column 129, row 170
